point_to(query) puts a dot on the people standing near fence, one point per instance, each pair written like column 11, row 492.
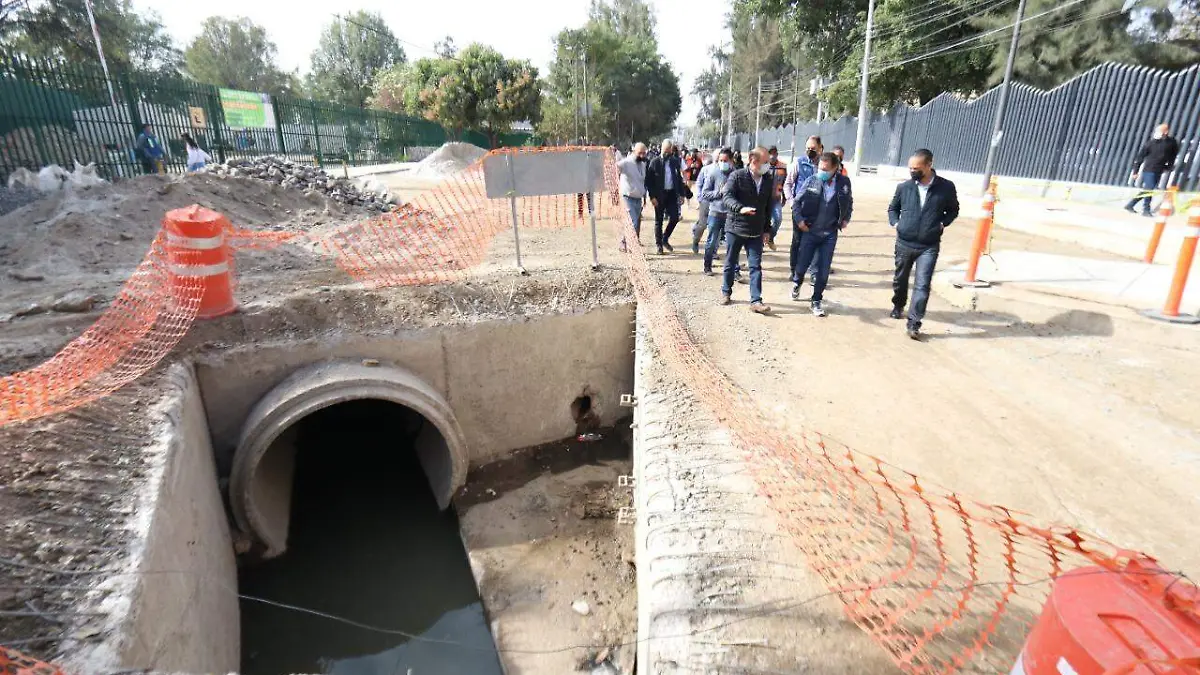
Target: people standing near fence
column 632, row 186
column 747, row 195
column 664, row 184
column 799, row 172
column 711, row 189
column 822, row 208
column 702, row 212
column 150, row 151
column 921, row 210
column 197, row 158
column 1155, row 159
column 779, row 171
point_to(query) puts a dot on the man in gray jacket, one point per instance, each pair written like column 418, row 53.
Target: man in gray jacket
column 633, row 185
column 709, row 189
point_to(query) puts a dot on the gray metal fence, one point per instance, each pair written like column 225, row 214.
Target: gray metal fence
column 1086, row 130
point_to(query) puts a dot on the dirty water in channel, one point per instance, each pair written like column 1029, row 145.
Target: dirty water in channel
column 367, row 543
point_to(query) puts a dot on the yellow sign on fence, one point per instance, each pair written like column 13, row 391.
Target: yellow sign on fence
column 197, row 116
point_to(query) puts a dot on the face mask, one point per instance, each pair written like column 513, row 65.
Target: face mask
column 1158, row 135
column 641, row 158
column 812, row 154
column 723, row 166
column 916, row 174
column 764, row 169
column 824, row 176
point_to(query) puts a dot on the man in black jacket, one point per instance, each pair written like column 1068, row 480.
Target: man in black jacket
column 822, row 207
column 1157, row 157
column 664, row 184
column 747, row 196
column 921, row 210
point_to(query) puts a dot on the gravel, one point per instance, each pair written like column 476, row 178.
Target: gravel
column 308, row 179
column 13, row 198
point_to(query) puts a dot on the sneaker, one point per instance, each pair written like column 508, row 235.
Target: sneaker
column 1129, row 208
column 914, row 334
column 897, row 313
column 817, row 309
column 660, row 251
column 708, row 273
column 759, row 308
column 742, row 280
column 726, row 298
column 795, row 291
column 771, row 243
column 696, row 248
column 670, row 248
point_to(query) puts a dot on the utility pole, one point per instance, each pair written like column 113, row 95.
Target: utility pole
column 795, row 114
column 862, row 95
column 758, row 112
column 729, row 104
column 575, row 97
column 587, row 109
column 998, row 126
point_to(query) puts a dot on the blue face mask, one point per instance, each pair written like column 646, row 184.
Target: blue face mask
column 824, row 176
column 724, row 167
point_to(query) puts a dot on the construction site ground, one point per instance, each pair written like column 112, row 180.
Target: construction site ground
column 1077, row 411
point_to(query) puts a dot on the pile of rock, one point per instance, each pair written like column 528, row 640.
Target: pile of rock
column 310, row 179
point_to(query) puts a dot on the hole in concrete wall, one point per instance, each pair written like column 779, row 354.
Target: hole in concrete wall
column 367, row 543
column 584, row 414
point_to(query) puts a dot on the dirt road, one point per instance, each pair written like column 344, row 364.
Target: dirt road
column 1082, row 420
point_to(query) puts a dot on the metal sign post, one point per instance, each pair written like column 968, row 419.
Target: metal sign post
column 592, row 215
column 512, row 200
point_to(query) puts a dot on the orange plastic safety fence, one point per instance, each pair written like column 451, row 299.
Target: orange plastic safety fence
column 943, row 583
column 13, row 662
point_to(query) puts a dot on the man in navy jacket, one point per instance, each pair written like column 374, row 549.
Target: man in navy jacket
column 822, row 207
column 921, row 210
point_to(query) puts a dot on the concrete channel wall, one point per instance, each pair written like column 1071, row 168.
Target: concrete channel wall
column 176, row 608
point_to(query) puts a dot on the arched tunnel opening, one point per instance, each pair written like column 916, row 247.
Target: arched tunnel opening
column 378, row 567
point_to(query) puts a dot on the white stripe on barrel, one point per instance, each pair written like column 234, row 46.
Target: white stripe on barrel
column 199, row 270
column 196, row 243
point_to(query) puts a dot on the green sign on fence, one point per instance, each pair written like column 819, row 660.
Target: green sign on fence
column 246, row 109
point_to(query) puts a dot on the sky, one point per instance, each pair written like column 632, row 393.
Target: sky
column 686, row 28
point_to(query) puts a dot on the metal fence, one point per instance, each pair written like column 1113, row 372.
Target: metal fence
column 65, row 113
column 1086, row 130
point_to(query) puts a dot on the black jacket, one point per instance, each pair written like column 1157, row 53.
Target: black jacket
column 922, row 226
column 654, row 177
column 1158, row 154
column 739, row 193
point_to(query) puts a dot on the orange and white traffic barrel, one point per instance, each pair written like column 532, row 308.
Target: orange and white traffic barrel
column 1183, row 266
column 1165, row 210
column 1139, row 620
column 197, row 253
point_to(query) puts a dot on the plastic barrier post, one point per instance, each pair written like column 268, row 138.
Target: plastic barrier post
column 982, row 234
column 512, row 200
column 1187, row 252
column 1165, row 211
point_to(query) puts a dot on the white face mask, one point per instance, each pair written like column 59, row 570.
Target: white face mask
column 1158, row 135
column 764, row 169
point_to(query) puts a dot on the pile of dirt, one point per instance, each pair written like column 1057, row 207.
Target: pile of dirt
column 448, row 159
column 309, row 179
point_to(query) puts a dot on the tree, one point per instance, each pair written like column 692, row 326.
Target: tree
column 479, row 89
column 237, row 54
column 59, row 30
column 445, row 48
column 351, row 53
column 631, row 91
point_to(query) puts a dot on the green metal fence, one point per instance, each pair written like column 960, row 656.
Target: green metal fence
column 65, row 113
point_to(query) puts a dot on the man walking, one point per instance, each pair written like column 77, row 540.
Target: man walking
column 633, row 185
column 150, row 151
column 798, row 174
column 779, row 171
column 712, row 186
column 664, row 183
column 747, row 195
column 702, row 211
column 921, row 210
column 1156, row 158
column 821, row 209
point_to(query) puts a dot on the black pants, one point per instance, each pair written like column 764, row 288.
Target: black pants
column 668, row 205
column 924, row 259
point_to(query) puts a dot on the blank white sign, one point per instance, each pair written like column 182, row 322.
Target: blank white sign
column 539, row 174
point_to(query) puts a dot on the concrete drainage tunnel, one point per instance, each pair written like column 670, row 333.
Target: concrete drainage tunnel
column 346, row 489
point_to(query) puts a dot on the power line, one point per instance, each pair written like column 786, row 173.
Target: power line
column 394, row 36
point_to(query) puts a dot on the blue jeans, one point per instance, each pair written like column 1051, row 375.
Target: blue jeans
column 733, row 248
column 1149, row 182
column 634, row 204
column 815, row 249
column 924, row 259
column 776, row 218
column 716, row 232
